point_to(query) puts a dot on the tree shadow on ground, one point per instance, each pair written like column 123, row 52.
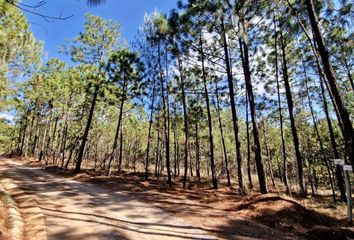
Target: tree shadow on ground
column 131, row 216
column 259, row 219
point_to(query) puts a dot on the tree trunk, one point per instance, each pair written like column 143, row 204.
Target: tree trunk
column 157, row 151
column 19, row 139
column 222, row 135
column 120, row 149
column 257, row 145
column 119, row 123
column 36, row 138
column 197, row 150
column 54, row 141
column 87, row 129
column 71, row 152
column 166, row 127
column 185, row 121
column 248, row 146
column 45, row 134
column 175, row 139
column 339, row 174
column 283, row 147
column 269, row 152
column 190, row 161
column 63, row 146
column 241, row 186
column 149, row 132
column 289, row 98
column 347, row 130
column 30, row 131
column 47, row 143
column 23, row 135
column 210, row 124
column 318, row 134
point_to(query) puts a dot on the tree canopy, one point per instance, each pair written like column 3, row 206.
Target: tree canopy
column 216, row 90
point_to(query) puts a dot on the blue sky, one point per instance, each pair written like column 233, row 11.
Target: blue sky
column 129, row 13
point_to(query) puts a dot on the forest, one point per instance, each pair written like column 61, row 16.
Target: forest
column 253, row 96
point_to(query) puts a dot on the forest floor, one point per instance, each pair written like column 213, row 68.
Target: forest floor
column 222, row 213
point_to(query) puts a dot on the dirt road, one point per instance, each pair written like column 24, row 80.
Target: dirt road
column 76, row 210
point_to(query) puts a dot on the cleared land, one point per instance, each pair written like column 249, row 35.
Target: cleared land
column 125, row 206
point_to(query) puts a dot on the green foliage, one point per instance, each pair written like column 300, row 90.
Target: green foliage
column 7, row 131
column 53, row 105
column 96, row 43
column 19, row 51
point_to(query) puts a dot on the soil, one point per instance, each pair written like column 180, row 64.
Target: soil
column 213, row 210
column 3, row 218
column 223, row 212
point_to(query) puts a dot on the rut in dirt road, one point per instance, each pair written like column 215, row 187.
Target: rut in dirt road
column 75, row 210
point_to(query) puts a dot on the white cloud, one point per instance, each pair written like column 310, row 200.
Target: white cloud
column 7, row 116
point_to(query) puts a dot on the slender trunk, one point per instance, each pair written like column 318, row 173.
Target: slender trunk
column 157, row 151
column 311, row 180
column 24, row 130
column 283, row 147
column 320, row 72
column 257, row 145
column 222, row 135
column 269, row 152
column 289, row 98
column 69, row 158
column 71, row 152
column 210, row 124
column 34, row 144
column 241, row 186
column 47, row 143
column 54, row 143
column 318, row 134
column 190, row 161
column 168, row 141
column 339, row 174
column 175, row 139
column 19, row 139
column 119, row 123
column 197, row 150
column 166, row 127
column 65, row 130
column 280, row 173
column 185, row 121
column 179, row 163
column 63, row 148
column 347, row 130
column 96, row 154
column 248, row 146
column 149, row 132
column 87, row 129
column 30, row 131
column 120, row 150
column 208, row 169
column 177, row 156
column 160, row 166
column 23, row 139
column 44, row 141
column 36, row 138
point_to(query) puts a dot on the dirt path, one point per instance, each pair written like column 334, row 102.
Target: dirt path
column 76, row 210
